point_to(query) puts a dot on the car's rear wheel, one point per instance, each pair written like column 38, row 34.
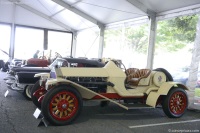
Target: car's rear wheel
column 175, row 103
column 36, row 92
column 27, row 92
column 168, row 75
column 61, row 105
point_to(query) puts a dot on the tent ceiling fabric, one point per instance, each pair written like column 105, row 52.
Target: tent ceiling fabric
column 83, row 14
column 166, row 5
column 108, row 11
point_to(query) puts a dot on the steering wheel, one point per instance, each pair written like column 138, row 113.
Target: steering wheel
column 119, row 64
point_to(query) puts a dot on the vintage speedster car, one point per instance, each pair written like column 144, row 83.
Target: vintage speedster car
column 23, row 77
column 65, row 94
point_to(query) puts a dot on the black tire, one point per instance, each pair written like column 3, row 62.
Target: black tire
column 27, row 92
column 175, row 103
column 168, row 75
column 61, row 105
column 41, row 92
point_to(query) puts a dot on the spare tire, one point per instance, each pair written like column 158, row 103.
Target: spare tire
column 168, row 75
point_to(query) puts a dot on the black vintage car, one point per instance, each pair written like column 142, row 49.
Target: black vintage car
column 22, row 78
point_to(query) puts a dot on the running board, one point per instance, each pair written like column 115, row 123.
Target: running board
column 138, row 106
column 130, row 106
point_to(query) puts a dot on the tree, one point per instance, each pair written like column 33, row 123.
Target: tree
column 137, row 38
column 172, row 35
column 175, row 34
column 184, row 27
column 195, row 59
column 134, row 37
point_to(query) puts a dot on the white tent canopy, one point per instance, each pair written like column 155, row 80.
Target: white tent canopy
column 75, row 15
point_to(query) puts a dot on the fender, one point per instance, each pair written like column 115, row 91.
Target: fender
column 43, row 77
column 85, row 92
column 163, row 90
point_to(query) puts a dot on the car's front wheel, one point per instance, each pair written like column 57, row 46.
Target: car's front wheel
column 175, row 103
column 61, row 105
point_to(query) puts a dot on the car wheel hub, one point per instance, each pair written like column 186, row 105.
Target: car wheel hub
column 62, row 105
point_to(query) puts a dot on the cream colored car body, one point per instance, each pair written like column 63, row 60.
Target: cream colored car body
column 153, row 86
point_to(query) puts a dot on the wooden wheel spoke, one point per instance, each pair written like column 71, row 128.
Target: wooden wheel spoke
column 70, row 101
column 56, row 100
column 57, row 112
column 61, row 114
column 65, row 112
column 68, row 98
column 60, row 98
column 179, row 99
column 55, row 108
column 70, row 110
column 71, row 105
column 54, row 104
column 64, row 96
column 176, row 108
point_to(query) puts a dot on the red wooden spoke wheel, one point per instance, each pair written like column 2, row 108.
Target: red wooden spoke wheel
column 63, row 105
column 178, row 103
column 175, row 103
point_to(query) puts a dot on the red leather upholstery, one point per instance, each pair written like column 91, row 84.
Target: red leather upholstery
column 130, row 71
column 38, row 62
column 134, row 79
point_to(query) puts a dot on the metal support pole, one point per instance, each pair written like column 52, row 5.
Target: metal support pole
column 74, row 42
column 12, row 42
column 152, row 37
column 45, row 45
column 101, row 42
column 12, row 36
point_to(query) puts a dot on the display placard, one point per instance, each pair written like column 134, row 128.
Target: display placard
column 37, row 113
column 6, row 93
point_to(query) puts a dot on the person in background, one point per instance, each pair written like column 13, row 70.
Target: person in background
column 36, row 54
